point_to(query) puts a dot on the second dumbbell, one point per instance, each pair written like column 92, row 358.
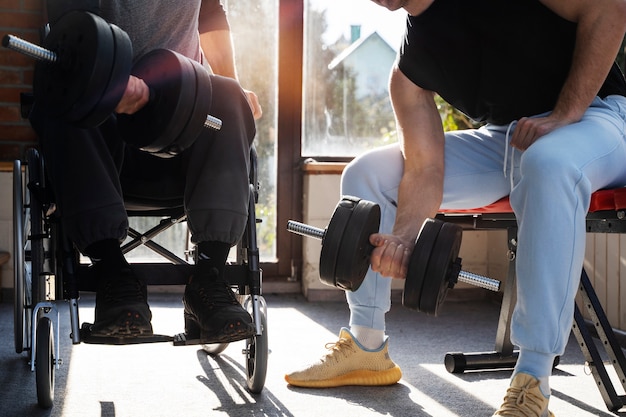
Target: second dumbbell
column 345, row 255
column 434, row 266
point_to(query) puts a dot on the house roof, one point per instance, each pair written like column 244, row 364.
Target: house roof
column 355, row 46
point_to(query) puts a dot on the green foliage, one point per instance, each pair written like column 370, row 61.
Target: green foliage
column 356, row 118
column 317, row 77
column 266, row 230
column 451, row 118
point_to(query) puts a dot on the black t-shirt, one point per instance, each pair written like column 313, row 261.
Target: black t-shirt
column 494, row 60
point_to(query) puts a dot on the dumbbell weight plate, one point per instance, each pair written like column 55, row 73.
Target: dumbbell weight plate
column 199, row 109
column 118, row 79
column 72, row 87
column 353, row 259
column 439, row 268
column 418, row 264
column 332, row 239
column 172, row 81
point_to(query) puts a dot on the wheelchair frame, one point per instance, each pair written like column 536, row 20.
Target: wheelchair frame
column 48, row 273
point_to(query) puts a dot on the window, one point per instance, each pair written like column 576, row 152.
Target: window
column 320, row 69
column 349, row 52
column 254, row 27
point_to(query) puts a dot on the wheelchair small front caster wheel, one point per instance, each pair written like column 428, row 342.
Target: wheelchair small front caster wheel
column 214, row 349
column 256, row 352
column 44, row 363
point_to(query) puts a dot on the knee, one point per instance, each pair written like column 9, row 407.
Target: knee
column 547, row 167
column 547, row 178
column 353, row 172
column 379, row 170
column 357, row 176
column 229, row 103
column 227, row 96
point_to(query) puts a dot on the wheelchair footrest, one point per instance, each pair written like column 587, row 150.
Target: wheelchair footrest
column 181, row 339
column 87, row 337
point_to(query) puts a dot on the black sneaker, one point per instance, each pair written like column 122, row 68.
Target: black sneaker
column 212, row 312
column 121, row 306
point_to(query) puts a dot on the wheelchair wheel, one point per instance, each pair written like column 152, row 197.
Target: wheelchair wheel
column 38, row 236
column 256, row 352
column 22, row 270
column 30, row 239
column 44, row 363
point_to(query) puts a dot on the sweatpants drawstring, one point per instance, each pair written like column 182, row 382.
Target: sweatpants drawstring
column 506, row 154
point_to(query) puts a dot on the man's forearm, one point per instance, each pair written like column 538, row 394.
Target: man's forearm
column 217, row 46
column 421, row 136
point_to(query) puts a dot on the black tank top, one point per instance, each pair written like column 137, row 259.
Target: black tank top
column 494, row 60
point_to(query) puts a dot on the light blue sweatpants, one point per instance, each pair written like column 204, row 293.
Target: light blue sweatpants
column 549, row 186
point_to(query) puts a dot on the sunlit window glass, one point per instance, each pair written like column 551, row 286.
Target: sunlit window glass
column 254, row 28
column 350, row 48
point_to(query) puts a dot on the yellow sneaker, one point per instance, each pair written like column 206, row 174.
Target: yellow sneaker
column 348, row 363
column 524, row 399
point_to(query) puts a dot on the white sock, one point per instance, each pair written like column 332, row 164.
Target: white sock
column 369, row 338
column 544, row 386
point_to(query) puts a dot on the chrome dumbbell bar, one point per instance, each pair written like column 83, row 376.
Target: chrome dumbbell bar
column 464, row 276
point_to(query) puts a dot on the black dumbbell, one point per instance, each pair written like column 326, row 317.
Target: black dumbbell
column 82, row 71
column 434, row 266
column 346, row 249
column 180, row 96
column 82, row 67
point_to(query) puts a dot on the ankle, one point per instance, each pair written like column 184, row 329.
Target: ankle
column 107, row 252
column 212, row 255
column 370, row 339
column 538, row 365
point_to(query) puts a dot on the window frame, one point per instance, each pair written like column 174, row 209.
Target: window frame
column 288, row 158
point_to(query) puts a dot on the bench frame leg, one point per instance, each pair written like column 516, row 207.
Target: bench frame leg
column 604, row 331
column 505, row 356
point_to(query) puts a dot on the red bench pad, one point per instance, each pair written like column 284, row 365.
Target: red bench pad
column 613, row 199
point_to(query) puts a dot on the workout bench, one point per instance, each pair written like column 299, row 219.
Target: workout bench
column 607, row 214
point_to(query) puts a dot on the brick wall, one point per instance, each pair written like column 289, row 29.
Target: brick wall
column 22, row 18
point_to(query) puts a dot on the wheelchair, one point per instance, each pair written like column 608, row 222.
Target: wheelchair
column 49, row 273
